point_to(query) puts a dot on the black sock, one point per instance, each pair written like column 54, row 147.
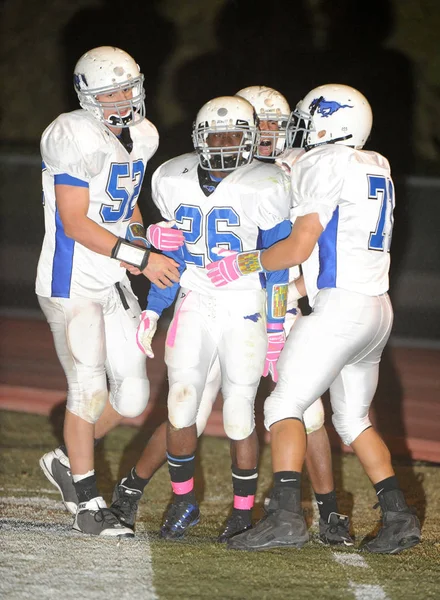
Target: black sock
column 181, row 470
column 86, row 489
column 327, row 504
column 387, row 485
column 134, row 482
column 287, row 479
column 244, row 485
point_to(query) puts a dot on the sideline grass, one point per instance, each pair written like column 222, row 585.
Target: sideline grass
column 197, row 567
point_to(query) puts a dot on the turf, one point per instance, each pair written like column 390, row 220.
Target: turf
column 197, row 567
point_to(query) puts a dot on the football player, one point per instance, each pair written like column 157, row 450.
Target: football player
column 94, row 161
column 273, row 112
column 343, row 201
column 221, row 199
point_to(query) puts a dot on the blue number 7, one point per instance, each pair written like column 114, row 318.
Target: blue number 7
column 381, row 188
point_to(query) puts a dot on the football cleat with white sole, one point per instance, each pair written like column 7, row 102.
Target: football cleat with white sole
column 400, row 526
column 56, row 466
column 179, row 517
column 335, row 531
column 125, row 503
column 94, row 518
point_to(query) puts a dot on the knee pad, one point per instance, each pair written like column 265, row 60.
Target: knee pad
column 238, row 417
column 132, row 397
column 350, row 426
column 314, row 416
column 88, row 409
column 182, row 405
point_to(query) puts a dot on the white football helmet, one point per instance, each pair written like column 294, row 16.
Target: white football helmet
column 330, row 114
column 107, row 70
column 271, row 107
column 226, row 114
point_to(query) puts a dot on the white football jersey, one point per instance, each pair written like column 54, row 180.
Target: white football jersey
column 252, row 198
column 353, row 194
column 79, row 150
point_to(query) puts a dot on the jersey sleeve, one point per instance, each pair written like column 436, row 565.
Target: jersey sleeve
column 273, row 203
column 317, row 181
column 158, row 195
column 62, row 149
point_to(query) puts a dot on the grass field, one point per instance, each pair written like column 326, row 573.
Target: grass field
column 42, row 558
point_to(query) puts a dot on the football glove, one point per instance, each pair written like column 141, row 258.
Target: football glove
column 146, row 330
column 164, row 236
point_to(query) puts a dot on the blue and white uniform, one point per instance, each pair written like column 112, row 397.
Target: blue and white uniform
column 87, row 297
column 248, row 208
column 339, row 345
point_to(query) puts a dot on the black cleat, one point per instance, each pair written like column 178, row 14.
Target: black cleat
column 179, row 517
column 280, row 528
column 236, row 524
column 125, row 502
column 400, row 526
column 335, row 531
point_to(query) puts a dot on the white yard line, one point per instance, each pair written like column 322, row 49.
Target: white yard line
column 45, row 559
column 351, row 562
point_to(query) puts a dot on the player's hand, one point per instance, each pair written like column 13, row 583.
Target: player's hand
column 164, row 236
column 161, row 270
column 275, row 344
column 225, row 270
column 146, row 330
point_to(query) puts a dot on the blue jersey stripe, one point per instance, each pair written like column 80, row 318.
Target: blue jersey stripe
column 65, row 179
column 327, row 253
column 62, row 261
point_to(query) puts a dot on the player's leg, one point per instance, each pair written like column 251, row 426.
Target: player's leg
column 351, row 395
column 73, row 321
column 190, row 350
column 334, row 528
column 241, row 373
column 329, row 338
column 128, row 491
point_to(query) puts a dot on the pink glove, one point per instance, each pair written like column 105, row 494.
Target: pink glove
column 146, row 330
column 225, row 270
column 163, row 237
column 275, row 343
column 233, row 265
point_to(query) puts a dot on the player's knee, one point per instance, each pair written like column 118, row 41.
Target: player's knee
column 182, row 405
column 314, row 416
column 87, row 408
column 238, row 417
column 132, row 397
column 277, row 409
column 350, row 427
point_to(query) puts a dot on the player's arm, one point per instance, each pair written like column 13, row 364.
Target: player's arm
column 291, row 252
column 296, row 248
column 276, row 304
column 73, row 204
column 158, row 300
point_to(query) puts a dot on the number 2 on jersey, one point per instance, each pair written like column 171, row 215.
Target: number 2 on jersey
column 381, row 189
column 194, row 225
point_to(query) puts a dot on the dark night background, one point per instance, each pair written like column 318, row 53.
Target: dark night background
column 193, row 51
